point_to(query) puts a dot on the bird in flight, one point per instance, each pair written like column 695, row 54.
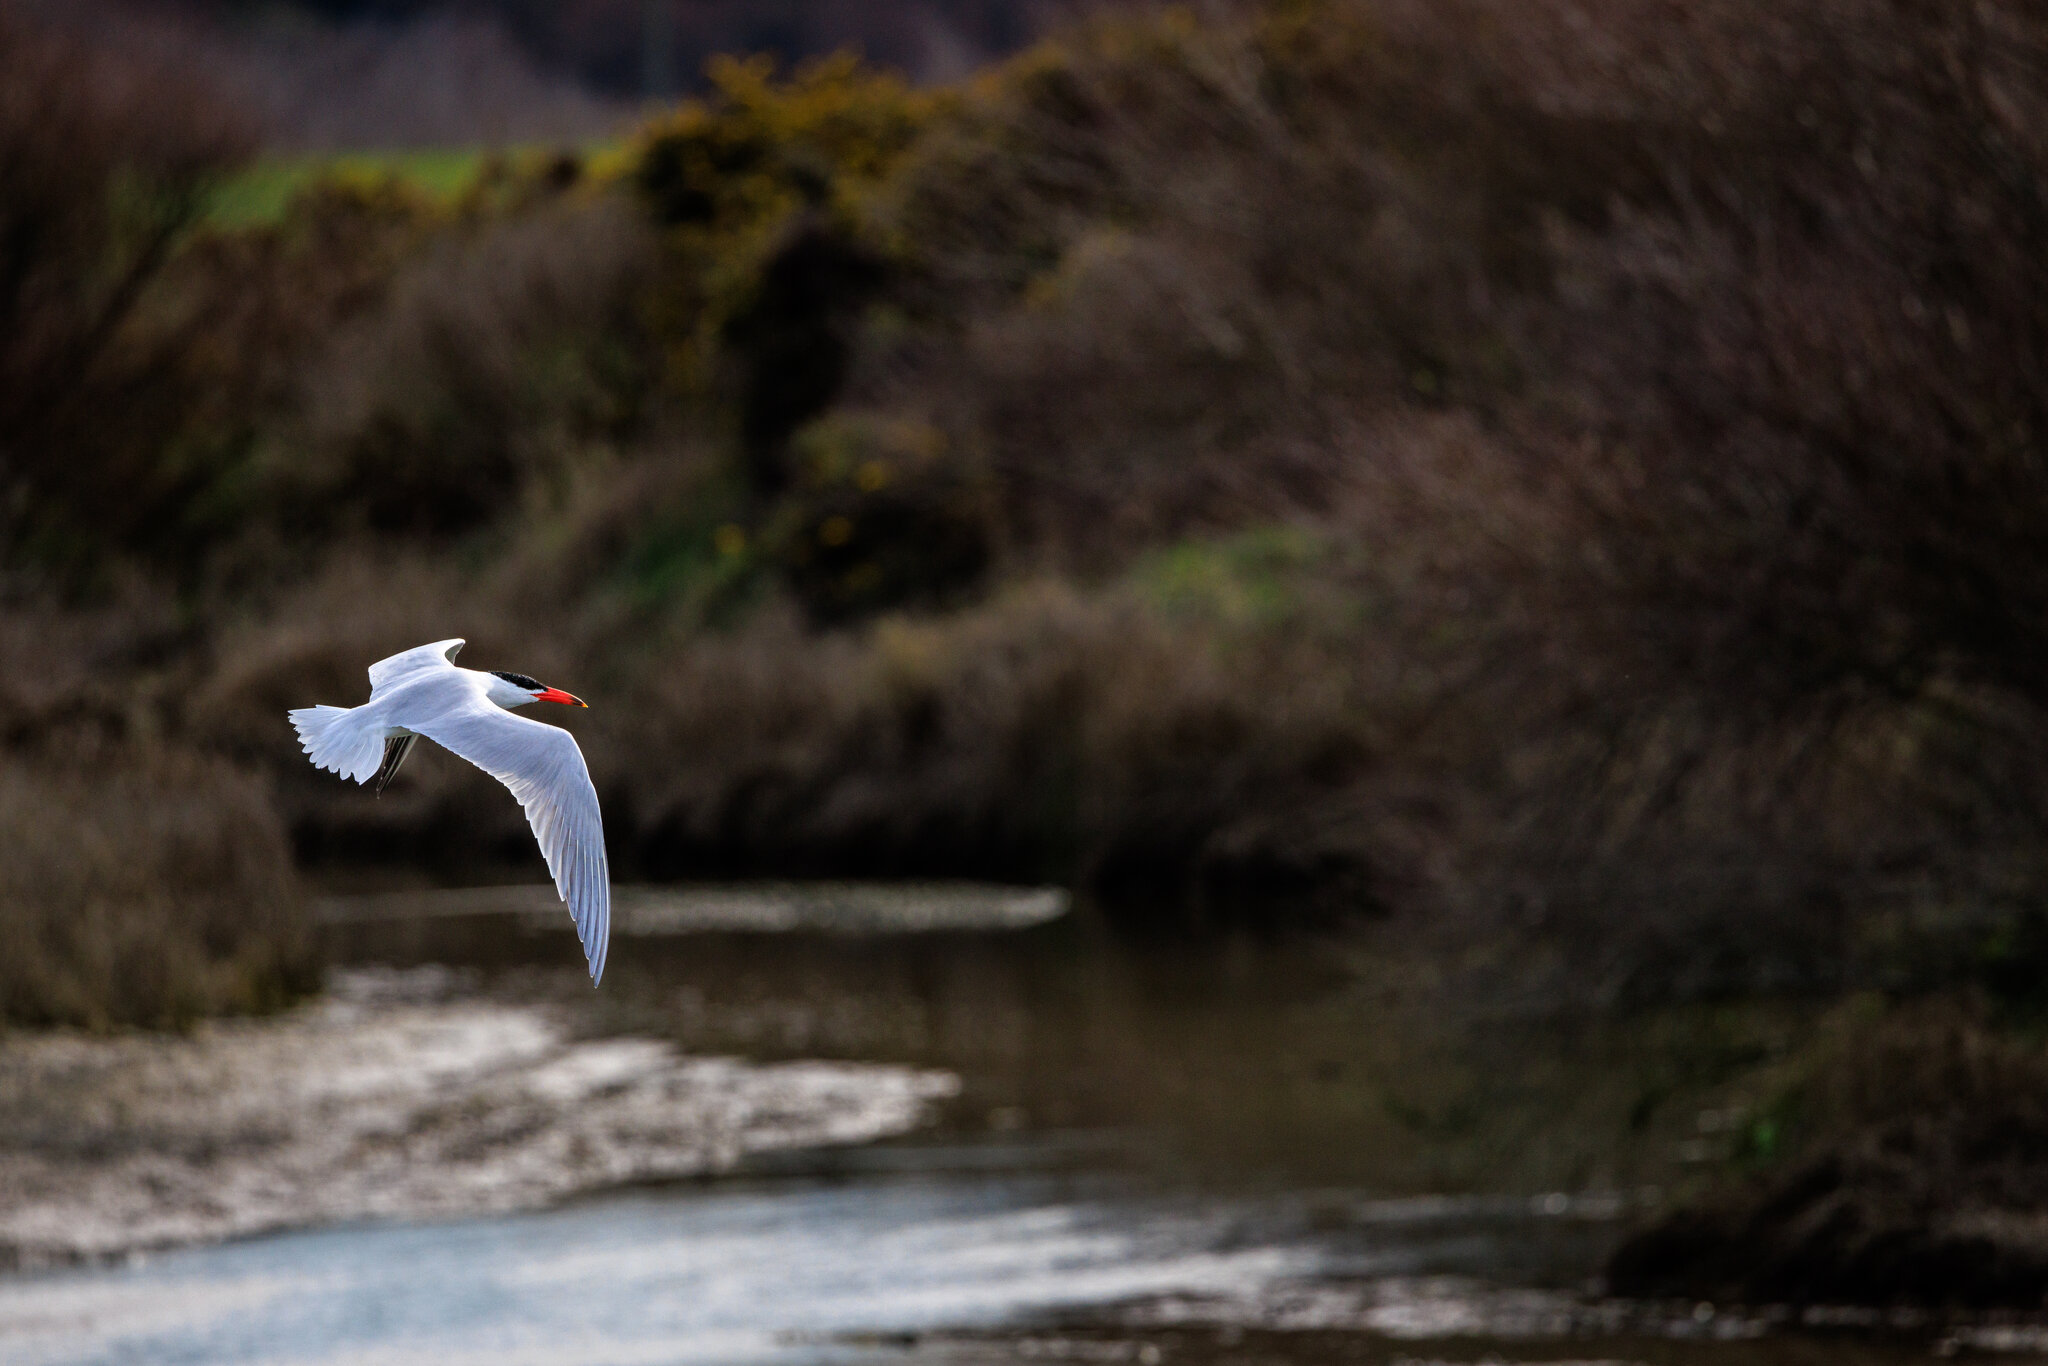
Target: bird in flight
column 421, row 692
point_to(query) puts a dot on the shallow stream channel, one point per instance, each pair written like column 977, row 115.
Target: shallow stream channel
column 864, row 1123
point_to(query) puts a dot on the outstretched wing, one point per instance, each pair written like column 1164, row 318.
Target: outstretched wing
column 440, row 655
column 545, row 771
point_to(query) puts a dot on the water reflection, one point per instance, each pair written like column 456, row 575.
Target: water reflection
column 1296, row 1062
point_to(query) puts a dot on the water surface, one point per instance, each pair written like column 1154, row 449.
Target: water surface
column 1248, row 1152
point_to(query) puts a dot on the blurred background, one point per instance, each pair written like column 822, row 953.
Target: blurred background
column 1488, row 559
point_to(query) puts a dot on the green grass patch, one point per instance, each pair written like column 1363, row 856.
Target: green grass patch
column 261, row 193
column 1254, row 578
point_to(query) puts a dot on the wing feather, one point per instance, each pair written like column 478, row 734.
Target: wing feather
column 545, row 771
column 439, row 655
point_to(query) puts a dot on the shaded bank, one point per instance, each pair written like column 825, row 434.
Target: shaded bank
column 1923, row 1182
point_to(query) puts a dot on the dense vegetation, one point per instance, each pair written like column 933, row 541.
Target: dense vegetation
column 1566, row 471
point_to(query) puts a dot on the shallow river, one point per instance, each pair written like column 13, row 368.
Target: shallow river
column 1137, row 1154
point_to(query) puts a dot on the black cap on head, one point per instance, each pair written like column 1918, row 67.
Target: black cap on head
column 518, row 680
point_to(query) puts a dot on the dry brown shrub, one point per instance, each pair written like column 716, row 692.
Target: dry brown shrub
column 497, row 357
column 144, row 888
column 142, row 881
column 1726, row 607
column 1047, row 734
column 105, row 166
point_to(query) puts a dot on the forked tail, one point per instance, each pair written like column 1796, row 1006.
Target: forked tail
column 337, row 739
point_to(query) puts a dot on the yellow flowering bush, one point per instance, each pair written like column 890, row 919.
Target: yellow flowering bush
column 733, row 178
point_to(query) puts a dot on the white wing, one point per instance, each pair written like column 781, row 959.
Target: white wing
column 440, row 655
column 545, row 771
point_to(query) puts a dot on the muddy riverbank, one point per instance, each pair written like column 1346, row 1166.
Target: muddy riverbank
column 401, row 1095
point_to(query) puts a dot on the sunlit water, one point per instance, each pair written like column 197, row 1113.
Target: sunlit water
column 854, row 1269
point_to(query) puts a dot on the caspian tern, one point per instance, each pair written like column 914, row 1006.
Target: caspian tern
column 421, row 692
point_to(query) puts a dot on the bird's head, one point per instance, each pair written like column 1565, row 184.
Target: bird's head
column 516, row 690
